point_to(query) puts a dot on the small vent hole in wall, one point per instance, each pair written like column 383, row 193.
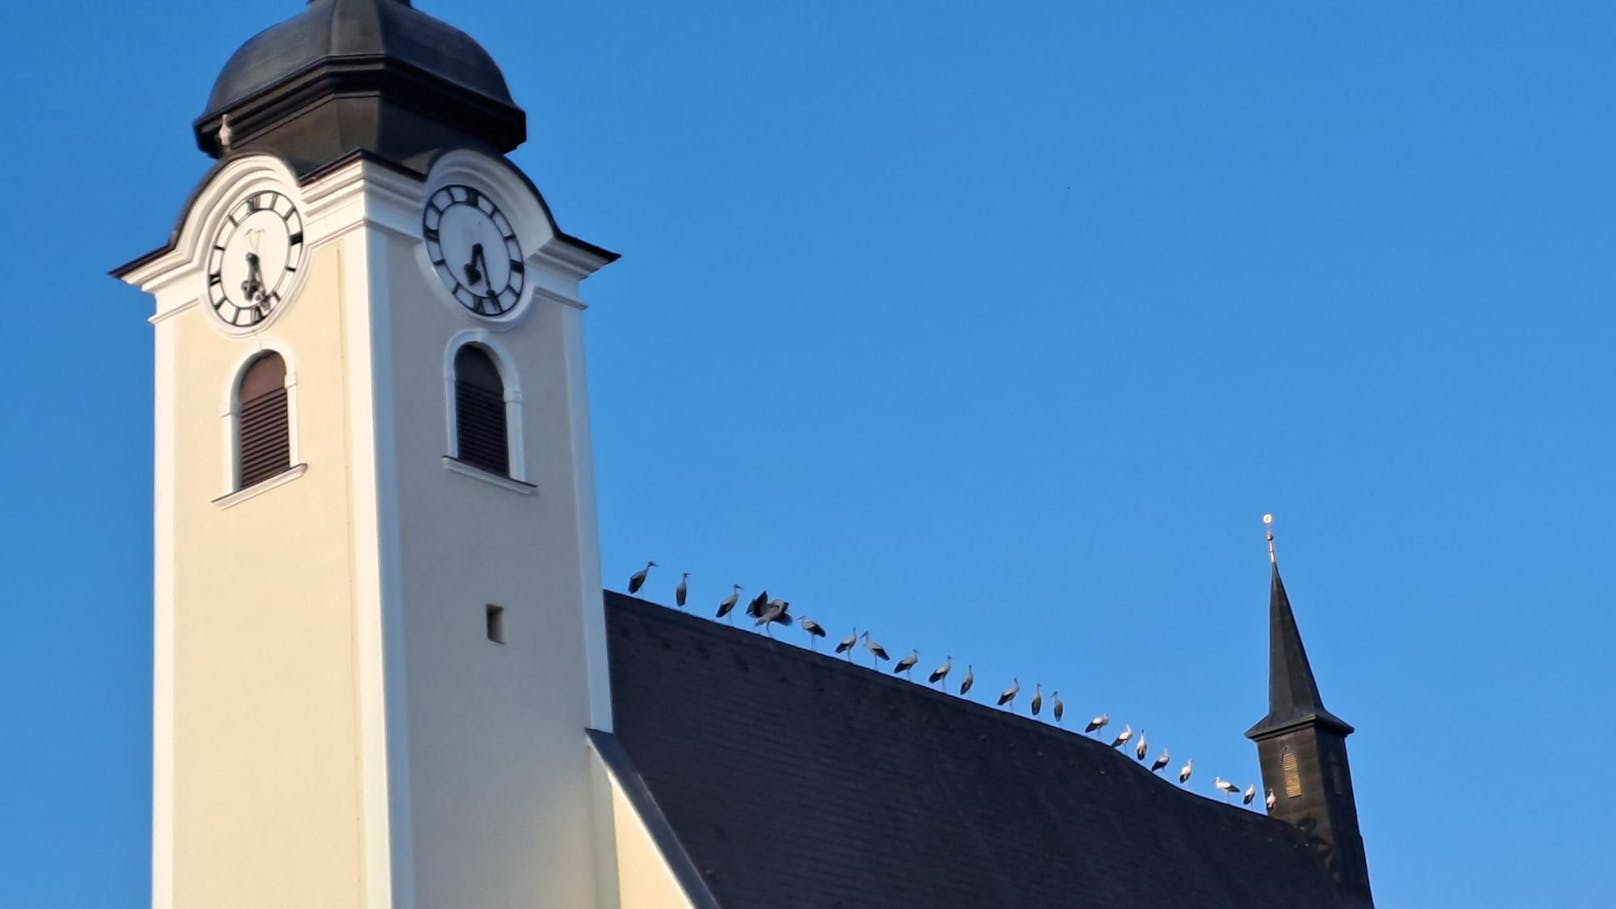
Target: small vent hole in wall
column 496, row 623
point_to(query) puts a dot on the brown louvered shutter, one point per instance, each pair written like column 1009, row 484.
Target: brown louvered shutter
column 480, row 411
column 263, row 432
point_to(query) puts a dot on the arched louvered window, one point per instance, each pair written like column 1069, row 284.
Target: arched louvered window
column 481, row 436
column 263, row 428
column 1293, row 775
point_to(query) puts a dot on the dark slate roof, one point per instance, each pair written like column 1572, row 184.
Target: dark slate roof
column 796, row 779
column 1293, row 693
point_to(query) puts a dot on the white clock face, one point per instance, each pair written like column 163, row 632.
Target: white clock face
column 255, row 258
column 474, row 250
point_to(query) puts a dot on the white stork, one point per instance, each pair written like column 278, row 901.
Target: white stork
column 1225, row 787
column 1122, row 737
column 729, row 604
column 847, row 644
column 877, row 652
column 813, row 629
column 637, row 579
column 683, row 590
column 1270, row 800
column 1143, row 748
column 774, row 612
column 758, row 604
column 1189, row 768
column 1160, row 762
column 1009, row 694
column 1251, row 793
column 1098, row 723
column 907, row 663
column 1057, row 708
column 1037, row 697
column 970, row 679
column 941, row 672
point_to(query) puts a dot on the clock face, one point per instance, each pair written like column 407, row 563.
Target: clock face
column 254, row 258
column 474, row 250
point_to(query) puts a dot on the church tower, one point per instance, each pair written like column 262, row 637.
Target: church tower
column 379, row 638
column 1302, row 749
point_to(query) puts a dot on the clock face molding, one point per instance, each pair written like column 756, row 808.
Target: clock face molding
column 254, row 258
column 474, row 250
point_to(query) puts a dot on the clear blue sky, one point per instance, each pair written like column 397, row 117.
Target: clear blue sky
column 994, row 327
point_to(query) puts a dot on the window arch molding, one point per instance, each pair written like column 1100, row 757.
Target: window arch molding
column 230, row 414
column 500, row 355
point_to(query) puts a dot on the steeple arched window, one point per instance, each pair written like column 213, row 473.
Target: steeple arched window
column 263, row 432
column 482, row 433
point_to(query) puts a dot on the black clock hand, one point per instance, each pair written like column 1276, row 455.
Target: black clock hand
column 254, row 285
column 476, row 268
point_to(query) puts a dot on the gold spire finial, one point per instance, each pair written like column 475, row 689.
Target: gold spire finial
column 1268, row 526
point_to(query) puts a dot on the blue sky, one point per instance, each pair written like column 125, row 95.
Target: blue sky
column 992, row 327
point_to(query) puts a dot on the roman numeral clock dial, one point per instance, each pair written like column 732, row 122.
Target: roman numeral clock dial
column 254, row 259
column 474, row 250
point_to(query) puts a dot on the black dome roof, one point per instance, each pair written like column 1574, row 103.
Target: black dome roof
column 405, row 79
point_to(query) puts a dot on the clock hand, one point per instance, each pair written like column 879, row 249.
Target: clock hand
column 477, row 266
column 253, row 287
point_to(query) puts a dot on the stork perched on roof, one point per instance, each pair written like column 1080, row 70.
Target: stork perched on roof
column 847, row 644
column 877, row 652
column 1251, row 793
column 1189, row 768
column 1270, row 800
column 907, row 663
column 637, row 579
column 1008, row 696
column 1098, row 723
column 941, row 672
column 1143, row 748
column 970, row 679
column 1160, row 762
column 1225, row 787
column 1037, row 697
column 1122, row 737
column 1057, row 708
column 728, row 604
column 682, row 590
column 813, row 629
column 775, row 611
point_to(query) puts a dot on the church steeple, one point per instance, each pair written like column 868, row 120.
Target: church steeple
column 1302, row 748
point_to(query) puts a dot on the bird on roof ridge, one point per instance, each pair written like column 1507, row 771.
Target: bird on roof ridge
column 1143, row 748
column 941, row 672
column 1098, row 723
column 968, row 681
column 1057, row 708
column 1161, row 761
column 1269, row 801
column 772, row 613
column 847, row 644
column 681, row 591
column 637, row 579
column 877, row 652
column 1037, row 697
column 1225, row 787
column 1123, row 736
column 1251, row 793
column 813, row 629
column 729, row 604
column 1188, row 771
column 1008, row 696
column 755, row 608
column 907, row 663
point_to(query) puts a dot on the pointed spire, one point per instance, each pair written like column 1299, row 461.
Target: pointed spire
column 1293, row 694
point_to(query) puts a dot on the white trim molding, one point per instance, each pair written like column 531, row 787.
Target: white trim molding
column 455, row 465
column 259, row 488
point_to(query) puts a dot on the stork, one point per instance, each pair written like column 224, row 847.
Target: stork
column 681, row 591
column 774, row 612
column 1160, row 762
column 970, row 679
column 813, row 629
column 225, row 133
column 1122, row 737
column 847, row 644
column 1009, row 694
column 1037, row 697
column 1057, row 708
column 1270, row 800
column 637, row 579
column 941, row 672
column 755, row 608
column 1225, row 787
column 1143, row 748
column 729, row 604
column 907, row 663
column 1251, row 793
column 877, row 652
column 1189, row 768
column 1098, row 723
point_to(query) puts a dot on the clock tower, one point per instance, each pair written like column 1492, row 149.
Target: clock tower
column 379, row 640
